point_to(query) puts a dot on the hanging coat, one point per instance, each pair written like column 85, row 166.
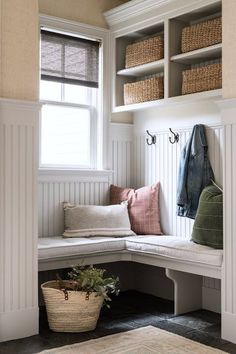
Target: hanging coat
column 195, row 173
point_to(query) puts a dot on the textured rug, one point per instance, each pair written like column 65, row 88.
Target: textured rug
column 146, row 340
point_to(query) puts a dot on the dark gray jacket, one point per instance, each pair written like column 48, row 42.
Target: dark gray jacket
column 195, row 173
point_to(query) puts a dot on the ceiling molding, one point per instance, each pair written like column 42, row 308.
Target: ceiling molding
column 132, row 9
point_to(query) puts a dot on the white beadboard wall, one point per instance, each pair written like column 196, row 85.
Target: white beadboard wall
column 121, row 154
column 55, row 187
column 18, row 218
column 160, row 162
column 228, row 110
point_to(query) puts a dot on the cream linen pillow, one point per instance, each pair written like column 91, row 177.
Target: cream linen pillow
column 93, row 220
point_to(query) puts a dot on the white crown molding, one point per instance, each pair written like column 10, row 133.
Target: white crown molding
column 132, row 9
column 71, row 26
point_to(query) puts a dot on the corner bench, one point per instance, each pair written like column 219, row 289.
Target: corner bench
column 184, row 261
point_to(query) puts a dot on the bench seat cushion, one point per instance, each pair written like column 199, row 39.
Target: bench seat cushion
column 56, row 247
column 175, row 248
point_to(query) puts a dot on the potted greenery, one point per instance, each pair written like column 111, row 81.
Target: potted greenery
column 74, row 305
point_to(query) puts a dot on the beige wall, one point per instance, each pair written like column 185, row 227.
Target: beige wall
column 86, row 11
column 19, row 49
column 229, row 48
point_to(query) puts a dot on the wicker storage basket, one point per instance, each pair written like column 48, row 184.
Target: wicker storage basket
column 77, row 314
column 203, row 78
column 145, row 90
column 145, row 51
column 201, row 35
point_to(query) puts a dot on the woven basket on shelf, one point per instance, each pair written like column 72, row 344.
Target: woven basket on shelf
column 144, row 51
column 145, row 90
column 77, row 314
column 204, row 78
column 201, row 35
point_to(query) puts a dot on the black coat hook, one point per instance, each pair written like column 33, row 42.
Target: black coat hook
column 153, row 138
column 176, row 137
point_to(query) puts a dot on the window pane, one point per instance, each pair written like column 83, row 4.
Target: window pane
column 65, row 133
column 78, row 94
column 50, row 90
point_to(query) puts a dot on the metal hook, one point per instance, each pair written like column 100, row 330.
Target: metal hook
column 153, row 138
column 176, row 137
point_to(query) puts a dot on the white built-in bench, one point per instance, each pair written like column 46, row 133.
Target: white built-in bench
column 184, row 261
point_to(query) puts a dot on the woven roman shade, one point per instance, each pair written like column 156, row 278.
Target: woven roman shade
column 69, row 60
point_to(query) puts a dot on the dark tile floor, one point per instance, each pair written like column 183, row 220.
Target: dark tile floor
column 128, row 311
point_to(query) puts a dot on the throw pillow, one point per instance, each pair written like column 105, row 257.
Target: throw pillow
column 93, row 220
column 208, row 225
column 143, row 207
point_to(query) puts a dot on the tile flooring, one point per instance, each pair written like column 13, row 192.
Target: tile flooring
column 128, row 311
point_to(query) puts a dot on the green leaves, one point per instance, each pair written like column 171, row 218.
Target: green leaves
column 90, row 279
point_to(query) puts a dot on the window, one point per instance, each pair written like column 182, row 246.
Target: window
column 69, row 92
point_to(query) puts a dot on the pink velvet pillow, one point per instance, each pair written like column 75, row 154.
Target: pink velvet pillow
column 143, row 207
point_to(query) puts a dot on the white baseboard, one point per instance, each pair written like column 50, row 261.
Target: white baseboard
column 228, row 325
column 19, row 324
column 211, row 299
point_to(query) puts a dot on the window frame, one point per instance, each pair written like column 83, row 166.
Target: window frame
column 99, row 148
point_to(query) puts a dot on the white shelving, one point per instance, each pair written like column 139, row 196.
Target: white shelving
column 145, row 69
column 203, row 54
column 199, row 96
column 169, row 25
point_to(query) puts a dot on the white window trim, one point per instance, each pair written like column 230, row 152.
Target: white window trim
column 103, row 35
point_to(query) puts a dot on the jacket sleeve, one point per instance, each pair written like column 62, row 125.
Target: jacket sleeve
column 182, row 198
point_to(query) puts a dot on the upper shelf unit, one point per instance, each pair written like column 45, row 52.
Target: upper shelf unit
column 177, row 64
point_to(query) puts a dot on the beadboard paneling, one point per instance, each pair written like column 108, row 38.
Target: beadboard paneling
column 160, row 162
column 75, row 187
column 121, row 159
column 211, row 283
column 18, row 218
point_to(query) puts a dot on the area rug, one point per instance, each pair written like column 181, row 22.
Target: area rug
column 145, row 340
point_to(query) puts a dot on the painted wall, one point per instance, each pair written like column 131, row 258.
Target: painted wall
column 86, row 11
column 19, row 49
column 229, row 48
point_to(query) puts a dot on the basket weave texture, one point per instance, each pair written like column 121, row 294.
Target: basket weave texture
column 77, row 314
column 201, row 35
column 204, row 78
column 145, row 90
column 145, row 51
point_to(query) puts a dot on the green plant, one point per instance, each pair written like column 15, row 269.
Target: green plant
column 90, row 279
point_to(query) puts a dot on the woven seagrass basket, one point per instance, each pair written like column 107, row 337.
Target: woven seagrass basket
column 144, row 51
column 201, row 35
column 144, row 90
column 78, row 313
column 204, row 78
